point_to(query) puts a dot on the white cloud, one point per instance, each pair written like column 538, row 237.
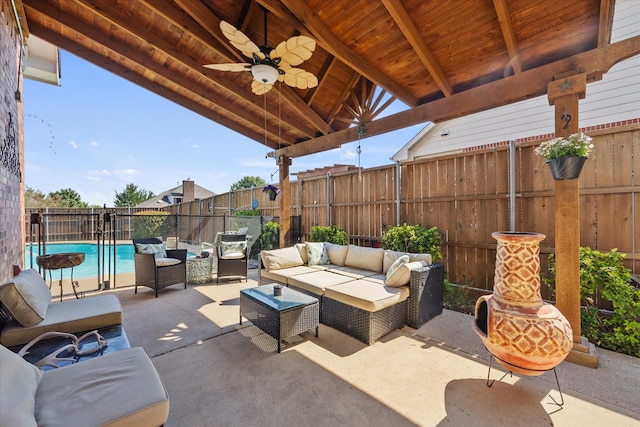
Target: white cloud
column 73, row 144
column 94, row 143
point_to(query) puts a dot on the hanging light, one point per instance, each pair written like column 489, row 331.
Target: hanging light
column 265, row 73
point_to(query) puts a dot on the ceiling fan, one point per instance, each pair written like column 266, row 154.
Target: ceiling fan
column 269, row 65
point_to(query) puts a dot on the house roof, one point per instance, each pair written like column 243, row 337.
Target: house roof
column 164, row 199
column 441, row 59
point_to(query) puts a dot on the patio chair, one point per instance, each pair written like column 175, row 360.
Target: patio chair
column 157, row 267
column 233, row 256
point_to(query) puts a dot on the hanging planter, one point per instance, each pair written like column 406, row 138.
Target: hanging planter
column 272, row 191
column 566, row 167
column 566, row 157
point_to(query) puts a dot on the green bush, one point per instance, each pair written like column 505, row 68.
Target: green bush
column 329, row 233
column 602, row 274
column 414, row 238
column 270, row 237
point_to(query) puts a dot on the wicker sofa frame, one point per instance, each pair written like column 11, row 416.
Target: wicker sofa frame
column 152, row 276
column 424, row 302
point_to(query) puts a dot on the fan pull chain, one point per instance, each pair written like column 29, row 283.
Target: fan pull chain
column 361, row 131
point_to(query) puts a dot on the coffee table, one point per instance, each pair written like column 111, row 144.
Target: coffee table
column 282, row 316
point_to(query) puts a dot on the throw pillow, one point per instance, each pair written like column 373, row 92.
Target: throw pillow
column 395, row 276
column 158, row 250
column 317, row 253
column 402, row 275
column 232, row 250
column 26, row 297
column 19, row 384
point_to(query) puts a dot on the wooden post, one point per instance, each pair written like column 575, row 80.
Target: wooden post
column 285, row 201
column 564, row 93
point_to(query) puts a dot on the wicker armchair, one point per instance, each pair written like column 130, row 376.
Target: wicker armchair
column 233, row 256
column 154, row 276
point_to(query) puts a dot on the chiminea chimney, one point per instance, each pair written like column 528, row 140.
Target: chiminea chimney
column 188, row 191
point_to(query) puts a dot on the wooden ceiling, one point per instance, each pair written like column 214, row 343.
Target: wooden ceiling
column 442, row 59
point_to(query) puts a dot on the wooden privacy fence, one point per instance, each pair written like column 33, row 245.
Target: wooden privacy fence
column 466, row 196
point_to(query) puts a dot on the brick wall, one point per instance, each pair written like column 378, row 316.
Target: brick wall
column 11, row 144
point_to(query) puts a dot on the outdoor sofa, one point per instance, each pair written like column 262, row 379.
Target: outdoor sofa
column 364, row 292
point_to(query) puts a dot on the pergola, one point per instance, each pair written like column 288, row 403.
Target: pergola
column 442, row 59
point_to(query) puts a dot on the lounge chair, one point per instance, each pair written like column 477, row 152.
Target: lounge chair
column 157, row 267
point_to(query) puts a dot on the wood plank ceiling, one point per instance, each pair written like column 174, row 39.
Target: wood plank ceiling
column 442, row 59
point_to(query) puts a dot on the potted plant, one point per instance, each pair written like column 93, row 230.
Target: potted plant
column 271, row 190
column 566, row 156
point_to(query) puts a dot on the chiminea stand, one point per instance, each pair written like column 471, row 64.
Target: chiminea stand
column 510, row 373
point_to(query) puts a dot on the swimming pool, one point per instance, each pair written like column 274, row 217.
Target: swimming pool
column 89, row 268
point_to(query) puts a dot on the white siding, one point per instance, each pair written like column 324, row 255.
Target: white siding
column 614, row 98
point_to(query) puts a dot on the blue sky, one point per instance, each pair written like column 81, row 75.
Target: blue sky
column 97, row 132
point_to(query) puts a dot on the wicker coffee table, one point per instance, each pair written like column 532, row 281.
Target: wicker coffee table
column 282, row 316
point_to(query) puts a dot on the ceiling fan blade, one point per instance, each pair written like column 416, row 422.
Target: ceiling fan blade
column 240, row 66
column 260, row 88
column 294, row 51
column 240, row 40
column 299, row 78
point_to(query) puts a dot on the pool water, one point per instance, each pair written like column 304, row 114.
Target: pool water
column 89, row 268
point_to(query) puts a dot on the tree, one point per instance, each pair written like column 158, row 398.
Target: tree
column 66, row 198
column 34, row 198
column 248, row 182
column 131, row 196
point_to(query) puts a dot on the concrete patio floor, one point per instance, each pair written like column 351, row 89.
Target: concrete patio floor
column 220, row 373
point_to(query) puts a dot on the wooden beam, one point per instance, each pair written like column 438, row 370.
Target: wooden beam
column 504, row 17
column 332, row 44
column 413, row 36
column 606, row 22
column 528, row 84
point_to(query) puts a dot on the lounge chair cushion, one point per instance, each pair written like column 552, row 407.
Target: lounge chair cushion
column 26, row 297
column 118, row 389
column 365, row 258
column 71, row 316
column 365, row 295
column 395, row 275
column 166, row 262
column 158, row 250
column 317, row 253
column 19, row 380
column 337, row 253
column 281, row 258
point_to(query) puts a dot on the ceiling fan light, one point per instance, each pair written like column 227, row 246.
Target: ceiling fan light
column 265, row 73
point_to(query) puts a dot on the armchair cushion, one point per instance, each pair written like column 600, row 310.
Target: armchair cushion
column 26, row 297
column 233, row 250
column 165, row 262
column 20, row 381
column 158, row 250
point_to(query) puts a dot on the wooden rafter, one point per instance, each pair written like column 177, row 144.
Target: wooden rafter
column 606, row 21
column 502, row 10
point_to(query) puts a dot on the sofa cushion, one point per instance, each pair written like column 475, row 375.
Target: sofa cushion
column 368, row 296
column 402, row 276
column 77, row 315
column 282, row 275
column 281, row 258
column 26, row 297
column 18, row 384
column 337, row 253
column 395, row 275
column 317, row 281
column 365, row 258
column 166, row 262
column 354, row 273
column 158, row 250
column 317, row 253
column 389, row 258
column 121, row 388
column 421, row 257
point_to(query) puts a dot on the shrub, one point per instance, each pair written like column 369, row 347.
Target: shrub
column 153, row 224
column 270, row 237
column 603, row 274
column 414, row 238
column 329, row 233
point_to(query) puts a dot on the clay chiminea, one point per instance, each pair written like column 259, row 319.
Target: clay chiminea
column 525, row 334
